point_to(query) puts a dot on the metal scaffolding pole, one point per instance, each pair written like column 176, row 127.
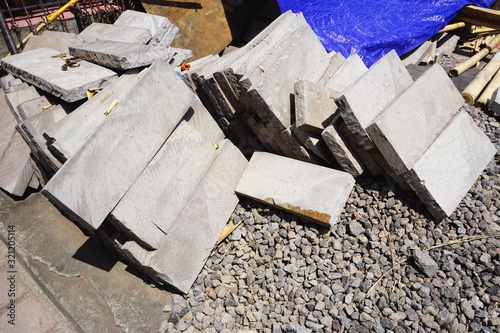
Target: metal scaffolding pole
column 6, row 35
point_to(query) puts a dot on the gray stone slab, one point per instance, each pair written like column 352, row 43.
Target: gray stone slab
column 351, row 70
column 342, row 151
column 7, row 124
column 20, row 86
column 38, row 123
column 5, row 80
column 32, row 107
column 153, row 203
column 59, row 129
column 101, row 172
column 67, row 145
column 416, row 56
column 198, row 117
column 38, row 67
column 447, row 170
column 315, row 144
column 447, row 43
column 114, row 33
column 313, row 192
column 169, row 36
column 315, row 106
column 494, row 104
column 405, row 130
column 119, row 55
column 336, row 60
column 185, row 249
column 158, row 26
column 17, row 97
column 371, row 94
column 178, row 56
column 276, row 84
column 15, row 166
column 56, row 40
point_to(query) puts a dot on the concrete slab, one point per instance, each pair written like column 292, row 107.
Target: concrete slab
column 163, row 100
column 417, row 55
column 38, row 123
column 17, row 97
column 32, row 107
column 7, row 124
column 187, row 246
column 114, row 33
column 119, row 55
column 315, row 106
column 87, row 283
column 56, row 40
column 494, row 104
column 158, row 26
column 315, row 144
column 336, row 60
column 40, row 68
column 371, row 94
column 405, row 130
column 5, row 81
column 447, row 170
column 15, row 166
column 351, row 70
column 169, row 36
column 310, row 191
column 151, row 206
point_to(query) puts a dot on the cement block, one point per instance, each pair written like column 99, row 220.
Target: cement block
column 313, row 192
column 91, row 183
column 405, row 130
column 151, row 206
column 32, row 107
column 158, row 26
column 351, row 70
column 40, row 68
column 447, row 170
column 315, row 106
column 114, row 33
column 187, row 246
column 371, row 94
column 119, row 55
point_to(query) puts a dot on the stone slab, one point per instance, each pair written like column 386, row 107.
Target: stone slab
column 494, row 104
column 351, row 70
column 119, row 55
column 158, row 26
column 416, row 56
column 115, row 33
column 169, row 36
column 405, row 130
column 371, row 94
column 5, row 81
column 15, row 166
column 68, row 144
column 315, row 106
column 7, row 124
column 32, row 107
column 38, row 67
column 56, row 40
column 447, row 170
column 151, row 206
column 39, row 122
column 187, row 246
column 101, row 172
column 17, row 97
column 336, row 60
column 315, row 144
column 313, row 192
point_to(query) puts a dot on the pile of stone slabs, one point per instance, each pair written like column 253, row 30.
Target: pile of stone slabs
column 310, row 191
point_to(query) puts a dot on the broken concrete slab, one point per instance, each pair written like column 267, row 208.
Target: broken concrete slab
column 119, row 55
column 17, row 97
column 450, row 166
column 351, row 70
column 150, row 207
column 32, row 107
column 114, row 33
column 187, row 246
column 56, row 40
column 315, row 106
column 310, row 191
column 42, row 68
column 404, row 131
column 158, row 26
column 99, row 172
column 371, row 94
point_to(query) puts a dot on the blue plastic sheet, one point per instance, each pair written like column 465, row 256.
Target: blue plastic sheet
column 371, row 28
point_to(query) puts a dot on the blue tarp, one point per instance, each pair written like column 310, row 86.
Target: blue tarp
column 371, row 28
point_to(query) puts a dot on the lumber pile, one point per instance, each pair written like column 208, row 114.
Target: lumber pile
column 152, row 158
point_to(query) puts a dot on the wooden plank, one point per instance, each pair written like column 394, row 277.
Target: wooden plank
column 480, row 16
column 91, row 183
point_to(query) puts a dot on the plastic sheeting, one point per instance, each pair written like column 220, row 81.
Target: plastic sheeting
column 371, row 28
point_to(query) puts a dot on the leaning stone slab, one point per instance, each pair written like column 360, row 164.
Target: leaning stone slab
column 15, row 166
column 151, row 206
column 40, row 68
column 416, row 56
column 187, row 246
column 114, row 33
column 17, row 97
column 336, row 61
column 92, row 182
column 32, row 107
column 351, row 70
column 313, row 192
column 5, row 81
column 371, row 94
column 405, row 130
column 447, row 170
column 119, row 55
column 7, row 124
column 314, row 106
column 56, row 40
column 39, row 122
column 314, row 143
column 158, row 26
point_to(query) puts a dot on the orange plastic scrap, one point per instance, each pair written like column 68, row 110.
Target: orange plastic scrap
column 185, row 66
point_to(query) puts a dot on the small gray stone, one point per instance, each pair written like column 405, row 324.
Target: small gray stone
column 467, row 309
column 425, row 263
column 355, row 228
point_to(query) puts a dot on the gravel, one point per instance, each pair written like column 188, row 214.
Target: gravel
column 278, row 273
